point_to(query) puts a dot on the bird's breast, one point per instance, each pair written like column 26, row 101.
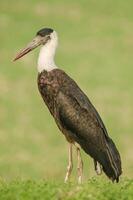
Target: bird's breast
column 48, row 86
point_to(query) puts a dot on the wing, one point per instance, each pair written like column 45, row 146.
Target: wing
column 79, row 117
column 85, row 104
column 80, row 120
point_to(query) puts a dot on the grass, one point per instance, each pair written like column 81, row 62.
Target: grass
column 94, row 189
column 95, row 49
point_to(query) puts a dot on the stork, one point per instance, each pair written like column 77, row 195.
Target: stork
column 73, row 112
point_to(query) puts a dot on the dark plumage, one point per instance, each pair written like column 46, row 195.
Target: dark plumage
column 45, row 31
column 79, row 121
column 73, row 112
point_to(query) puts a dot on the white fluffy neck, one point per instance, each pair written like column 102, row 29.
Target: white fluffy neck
column 47, row 53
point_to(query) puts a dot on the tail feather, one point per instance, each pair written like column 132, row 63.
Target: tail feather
column 108, row 157
column 111, row 162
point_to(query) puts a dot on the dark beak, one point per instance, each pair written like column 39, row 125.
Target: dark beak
column 32, row 45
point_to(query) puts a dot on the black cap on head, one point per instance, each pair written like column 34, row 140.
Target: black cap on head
column 45, row 31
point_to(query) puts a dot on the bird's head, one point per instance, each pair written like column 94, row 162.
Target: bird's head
column 44, row 36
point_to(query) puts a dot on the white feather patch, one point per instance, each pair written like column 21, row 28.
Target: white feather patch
column 47, row 53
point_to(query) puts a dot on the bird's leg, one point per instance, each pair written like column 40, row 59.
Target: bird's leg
column 98, row 167
column 79, row 166
column 70, row 164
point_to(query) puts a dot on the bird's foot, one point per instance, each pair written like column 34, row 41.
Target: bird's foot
column 69, row 170
column 79, row 166
column 66, row 179
column 70, row 164
column 79, row 179
column 98, row 169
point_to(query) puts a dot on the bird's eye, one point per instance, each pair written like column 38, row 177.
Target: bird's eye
column 47, row 38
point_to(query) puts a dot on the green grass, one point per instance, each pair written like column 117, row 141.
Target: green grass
column 93, row 190
column 95, row 48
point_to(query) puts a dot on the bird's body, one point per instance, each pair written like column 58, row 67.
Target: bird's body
column 78, row 120
column 73, row 112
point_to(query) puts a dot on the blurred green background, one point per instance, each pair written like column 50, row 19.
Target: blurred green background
column 96, row 49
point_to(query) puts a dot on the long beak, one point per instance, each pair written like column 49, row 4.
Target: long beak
column 32, row 45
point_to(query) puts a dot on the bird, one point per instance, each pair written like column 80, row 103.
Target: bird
column 74, row 114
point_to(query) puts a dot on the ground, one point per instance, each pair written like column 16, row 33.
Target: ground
column 95, row 48
column 94, row 189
